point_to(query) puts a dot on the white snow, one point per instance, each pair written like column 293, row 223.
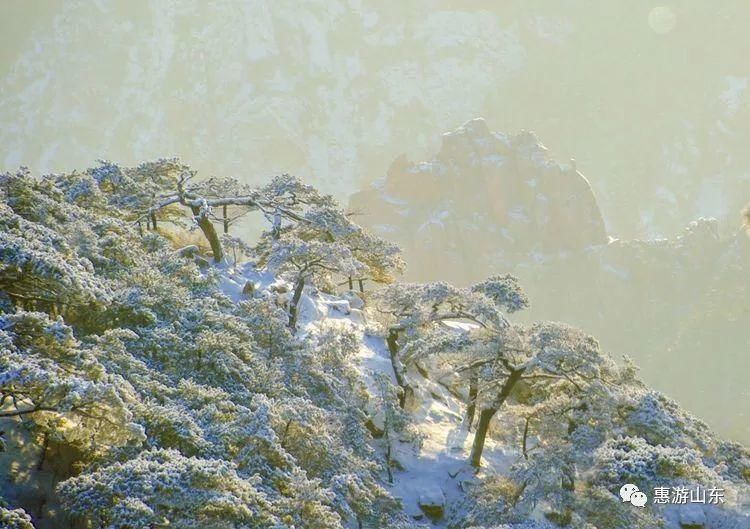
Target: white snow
column 435, row 473
column 233, row 279
column 440, row 467
column 460, row 325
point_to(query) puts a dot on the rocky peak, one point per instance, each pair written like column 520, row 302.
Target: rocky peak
column 483, row 190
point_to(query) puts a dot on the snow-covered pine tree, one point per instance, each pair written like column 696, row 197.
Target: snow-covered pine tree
column 118, row 346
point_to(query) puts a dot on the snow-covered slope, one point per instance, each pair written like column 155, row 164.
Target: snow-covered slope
column 436, row 472
column 430, row 472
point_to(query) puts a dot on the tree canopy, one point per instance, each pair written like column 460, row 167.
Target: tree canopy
column 154, row 395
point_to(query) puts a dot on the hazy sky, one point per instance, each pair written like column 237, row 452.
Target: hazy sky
column 649, row 97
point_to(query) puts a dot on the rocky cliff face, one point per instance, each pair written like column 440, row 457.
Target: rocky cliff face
column 486, row 200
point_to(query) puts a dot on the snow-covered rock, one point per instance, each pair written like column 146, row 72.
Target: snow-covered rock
column 692, row 517
column 354, row 300
column 311, row 309
column 432, row 502
column 341, row 305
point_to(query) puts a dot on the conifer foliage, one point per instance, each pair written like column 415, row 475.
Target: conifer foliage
column 183, row 407
column 152, row 395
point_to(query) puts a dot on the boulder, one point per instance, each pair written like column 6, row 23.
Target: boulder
column 309, row 310
column 190, row 251
column 692, row 517
column 249, row 289
column 432, row 502
column 339, row 305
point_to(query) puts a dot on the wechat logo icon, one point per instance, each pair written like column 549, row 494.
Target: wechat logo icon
column 630, row 493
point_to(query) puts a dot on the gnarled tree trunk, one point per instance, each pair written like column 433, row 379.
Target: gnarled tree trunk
column 485, row 417
column 293, row 304
column 473, row 394
column 398, row 370
column 209, row 232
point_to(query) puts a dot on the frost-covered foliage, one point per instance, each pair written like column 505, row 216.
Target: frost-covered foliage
column 491, row 356
column 61, row 386
column 166, row 190
column 164, row 402
column 632, row 459
column 14, row 519
column 660, row 421
column 504, row 291
column 184, row 407
column 164, row 487
column 40, row 265
column 320, row 245
column 527, row 524
column 415, row 305
column 581, row 424
column 578, row 448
